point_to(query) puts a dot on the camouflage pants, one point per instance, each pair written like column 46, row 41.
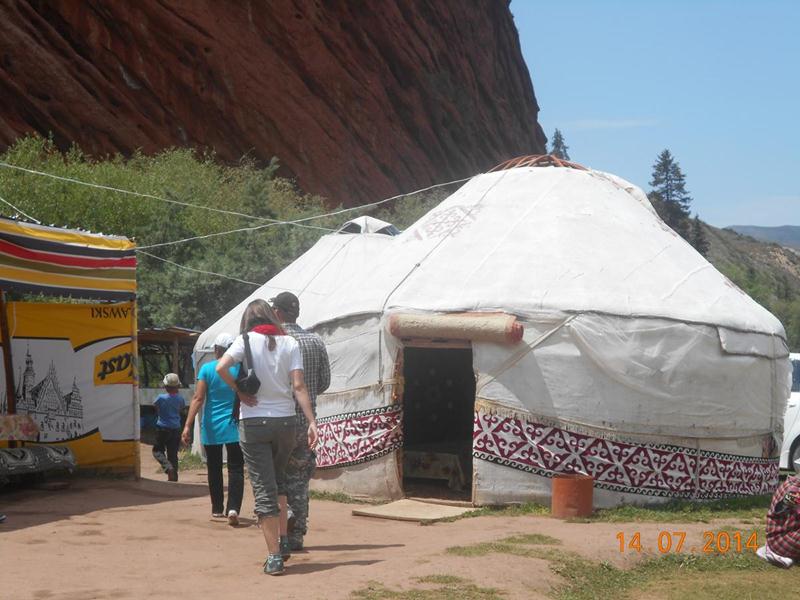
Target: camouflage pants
column 302, row 463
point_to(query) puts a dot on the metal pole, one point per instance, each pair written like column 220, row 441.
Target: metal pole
column 137, row 434
column 8, row 365
column 175, row 355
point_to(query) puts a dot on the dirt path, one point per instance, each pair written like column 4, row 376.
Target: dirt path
column 125, row 539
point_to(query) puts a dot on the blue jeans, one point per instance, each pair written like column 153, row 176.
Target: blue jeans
column 266, row 445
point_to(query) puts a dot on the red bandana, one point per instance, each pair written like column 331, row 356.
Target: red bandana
column 267, row 330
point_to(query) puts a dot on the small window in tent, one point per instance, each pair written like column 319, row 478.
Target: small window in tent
column 389, row 230
column 351, row 228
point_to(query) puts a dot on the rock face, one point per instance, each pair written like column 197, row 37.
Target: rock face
column 358, row 99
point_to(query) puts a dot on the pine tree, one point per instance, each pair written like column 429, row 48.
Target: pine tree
column 559, row 147
column 669, row 194
column 699, row 239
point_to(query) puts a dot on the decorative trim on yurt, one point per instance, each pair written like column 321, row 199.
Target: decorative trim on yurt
column 357, row 437
column 521, row 442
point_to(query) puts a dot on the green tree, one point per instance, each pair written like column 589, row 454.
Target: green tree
column 698, row 237
column 784, row 288
column 669, row 195
column 559, row 147
column 185, row 295
column 168, row 294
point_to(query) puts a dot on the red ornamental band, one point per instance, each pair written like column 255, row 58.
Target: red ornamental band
column 648, row 469
column 353, row 438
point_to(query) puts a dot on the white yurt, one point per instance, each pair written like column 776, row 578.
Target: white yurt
column 541, row 320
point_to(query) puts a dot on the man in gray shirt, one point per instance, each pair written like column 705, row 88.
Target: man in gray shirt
column 317, row 373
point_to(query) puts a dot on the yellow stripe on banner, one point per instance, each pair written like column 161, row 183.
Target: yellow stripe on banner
column 93, row 452
column 44, row 266
column 66, row 236
column 67, row 281
column 82, row 324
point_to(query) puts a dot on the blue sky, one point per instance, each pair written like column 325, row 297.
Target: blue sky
column 718, row 83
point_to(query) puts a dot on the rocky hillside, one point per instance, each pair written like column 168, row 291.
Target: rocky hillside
column 359, row 100
column 786, row 235
column 770, row 273
column 733, row 253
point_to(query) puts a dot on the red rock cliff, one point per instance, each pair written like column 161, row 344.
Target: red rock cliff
column 359, row 99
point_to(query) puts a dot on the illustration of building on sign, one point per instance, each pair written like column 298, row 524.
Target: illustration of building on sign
column 59, row 416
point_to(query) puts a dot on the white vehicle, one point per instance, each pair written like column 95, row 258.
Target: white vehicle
column 790, row 452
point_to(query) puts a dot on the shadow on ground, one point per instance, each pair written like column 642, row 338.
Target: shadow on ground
column 33, row 505
column 351, row 547
column 314, row 567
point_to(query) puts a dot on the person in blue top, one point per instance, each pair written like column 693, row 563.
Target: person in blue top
column 168, row 426
column 218, row 429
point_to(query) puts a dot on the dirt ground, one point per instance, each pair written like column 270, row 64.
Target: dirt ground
column 103, row 538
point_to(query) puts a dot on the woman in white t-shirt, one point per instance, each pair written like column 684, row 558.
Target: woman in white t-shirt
column 267, row 420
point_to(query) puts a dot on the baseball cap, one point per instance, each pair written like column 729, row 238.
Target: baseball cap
column 287, row 302
column 224, row 340
column 171, row 380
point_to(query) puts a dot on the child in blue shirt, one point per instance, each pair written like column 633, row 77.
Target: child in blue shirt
column 168, row 426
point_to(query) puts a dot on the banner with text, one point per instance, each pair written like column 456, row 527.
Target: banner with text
column 74, row 374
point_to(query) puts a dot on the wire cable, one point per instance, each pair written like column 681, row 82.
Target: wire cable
column 379, row 202
column 142, row 195
column 149, row 254
column 215, row 234
column 297, row 222
column 174, row 264
column 27, row 216
column 304, row 219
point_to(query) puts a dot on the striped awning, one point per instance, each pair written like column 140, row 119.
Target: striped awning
column 66, row 262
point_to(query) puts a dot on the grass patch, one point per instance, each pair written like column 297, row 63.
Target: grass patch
column 771, row 584
column 441, row 579
column 514, row 510
column 515, row 545
column 448, row 587
column 188, row 461
column 533, row 539
column 751, row 509
column 339, row 497
column 670, row 576
column 587, row 580
column 684, row 511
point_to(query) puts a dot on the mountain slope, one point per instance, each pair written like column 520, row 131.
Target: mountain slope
column 358, row 100
column 768, row 272
column 786, row 235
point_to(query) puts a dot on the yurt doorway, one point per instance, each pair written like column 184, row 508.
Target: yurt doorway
column 438, row 409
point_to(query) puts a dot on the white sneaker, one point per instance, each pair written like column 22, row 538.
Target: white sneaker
column 768, row 555
column 233, row 518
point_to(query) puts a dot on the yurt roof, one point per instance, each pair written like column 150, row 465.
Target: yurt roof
column 313, row 277
column 530, row 240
